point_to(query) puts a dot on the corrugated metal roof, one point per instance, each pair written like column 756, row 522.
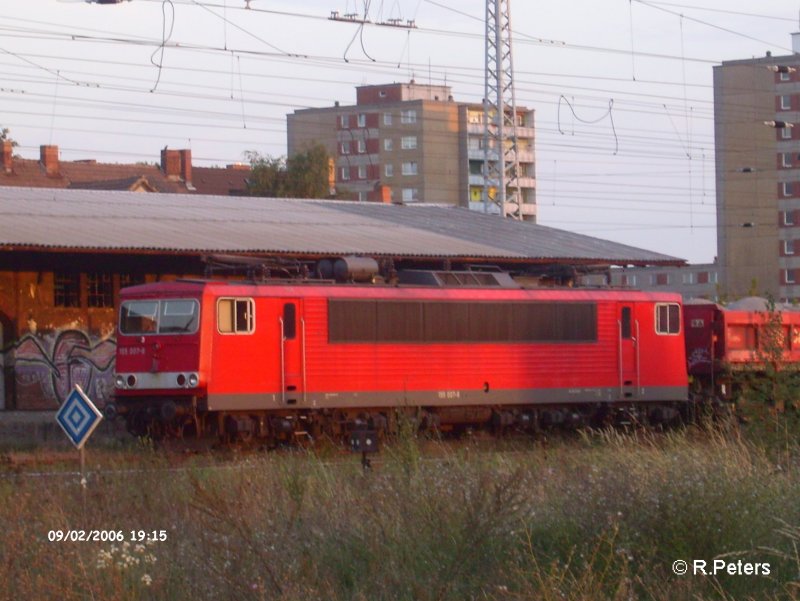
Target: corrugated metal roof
column 111, row 220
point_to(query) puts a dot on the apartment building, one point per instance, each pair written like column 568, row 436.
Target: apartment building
column 410, row 142
column 690, row 281
column 757, row 139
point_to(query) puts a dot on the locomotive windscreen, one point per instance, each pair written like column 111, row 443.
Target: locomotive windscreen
column 443, row 321
column 178, row 316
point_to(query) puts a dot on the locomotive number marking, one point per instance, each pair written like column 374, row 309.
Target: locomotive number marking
column 132, row 351
column 449, row 394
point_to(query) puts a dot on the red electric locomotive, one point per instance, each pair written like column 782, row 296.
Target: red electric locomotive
column 275, row 361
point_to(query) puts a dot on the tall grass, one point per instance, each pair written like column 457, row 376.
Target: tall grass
column 603, row 517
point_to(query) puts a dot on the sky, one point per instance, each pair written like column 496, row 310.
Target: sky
column 622, row 89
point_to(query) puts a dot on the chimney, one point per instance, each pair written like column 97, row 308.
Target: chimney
column 8, row 155
column 171, row 163
column 48, row 157
column 186, row 165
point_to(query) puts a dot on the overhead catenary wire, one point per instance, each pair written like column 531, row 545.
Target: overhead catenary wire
column 593, row 144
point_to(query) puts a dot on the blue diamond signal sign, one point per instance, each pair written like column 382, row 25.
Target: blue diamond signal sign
column 78, row 417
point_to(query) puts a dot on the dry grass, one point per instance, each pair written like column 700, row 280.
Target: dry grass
column 602, row 517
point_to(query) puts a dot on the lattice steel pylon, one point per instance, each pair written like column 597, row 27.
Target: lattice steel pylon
column 501, row 169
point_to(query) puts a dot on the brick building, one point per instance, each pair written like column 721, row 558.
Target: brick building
column 173, row 174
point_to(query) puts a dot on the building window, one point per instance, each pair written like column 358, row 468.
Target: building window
column 712, row 277
column 344, row 148
column 362, row 172
column 388, row 145
column 387, row 118
column 408, row 116
column 388, row 170
column 662, row 279
column 688, row 278
column 66, row 289
column 410, row 195
column 786, row 159
column 787, row 188
column 786, row 133
column 785, row 77
column 786, row 102
column 362, row 197
column 788, row 276
column 100, row 289
column 788, row 218
column 344, row 121
column 408, row 142
column 130, row 279
column 362, row 120
column 345, row 173
column 362, row 146
column 410, row 168
column 788, row 247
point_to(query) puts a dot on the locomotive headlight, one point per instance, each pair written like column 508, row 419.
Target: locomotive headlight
column 194, row 380
column 119, row 381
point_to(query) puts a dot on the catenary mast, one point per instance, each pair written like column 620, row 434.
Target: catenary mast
column 500, row 144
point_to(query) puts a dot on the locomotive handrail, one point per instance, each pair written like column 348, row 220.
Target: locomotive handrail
column 283, row 362
column 303, row 342
column 619, row 361
column 638, row 362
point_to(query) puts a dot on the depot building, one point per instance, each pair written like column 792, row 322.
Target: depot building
column 65, row 254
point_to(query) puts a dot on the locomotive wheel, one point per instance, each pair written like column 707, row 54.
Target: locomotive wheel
column 136, row 423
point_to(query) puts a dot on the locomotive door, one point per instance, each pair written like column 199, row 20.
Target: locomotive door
column 292, row 335
column 628, row 353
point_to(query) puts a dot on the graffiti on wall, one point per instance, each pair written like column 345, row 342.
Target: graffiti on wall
column 46, row 367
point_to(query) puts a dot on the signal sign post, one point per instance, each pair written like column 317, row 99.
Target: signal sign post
column 78, row 417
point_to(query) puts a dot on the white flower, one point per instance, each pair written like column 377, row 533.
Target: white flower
column 147, row 580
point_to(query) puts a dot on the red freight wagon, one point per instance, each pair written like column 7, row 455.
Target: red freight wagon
column 269, row 360
column 721, row 340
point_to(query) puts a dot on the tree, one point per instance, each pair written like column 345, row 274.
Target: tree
column 4, row 136
column 308, row 173
column 267, row 175
column 303, row 175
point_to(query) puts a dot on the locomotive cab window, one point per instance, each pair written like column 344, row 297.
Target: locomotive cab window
column 139, row 317
column 178, row 317
column 174, row 316
column 668, row 318
column 236, row 316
